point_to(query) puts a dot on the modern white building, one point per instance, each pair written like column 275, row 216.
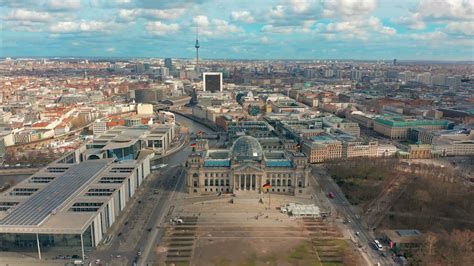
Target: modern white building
column 99, row 127
column 72, row 202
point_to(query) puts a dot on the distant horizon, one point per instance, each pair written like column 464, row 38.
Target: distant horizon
column 386, row 61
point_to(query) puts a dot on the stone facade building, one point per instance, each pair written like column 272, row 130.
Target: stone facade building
column 246, row 167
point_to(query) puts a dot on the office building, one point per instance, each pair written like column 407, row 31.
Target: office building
column 424, row 78
column 397, row 127
column 322, row 147
column 212, row 81
column 71, row 203
column 99, row 127
column 148, row 95
column 169, row 63
column 359, row 149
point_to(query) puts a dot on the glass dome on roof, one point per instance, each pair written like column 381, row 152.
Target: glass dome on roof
column 247, row 148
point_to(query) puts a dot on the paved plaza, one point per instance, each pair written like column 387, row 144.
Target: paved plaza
column 243, row 230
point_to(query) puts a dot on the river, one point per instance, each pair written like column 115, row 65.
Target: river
column 181, row 156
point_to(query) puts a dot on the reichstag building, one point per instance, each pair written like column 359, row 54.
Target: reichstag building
column 245, row 168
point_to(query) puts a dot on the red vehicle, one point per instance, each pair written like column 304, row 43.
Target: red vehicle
column 331, row 195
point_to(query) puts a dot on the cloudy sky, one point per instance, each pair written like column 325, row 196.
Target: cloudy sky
column 264, row 29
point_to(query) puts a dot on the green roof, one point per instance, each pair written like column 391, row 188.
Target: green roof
column 400, row 122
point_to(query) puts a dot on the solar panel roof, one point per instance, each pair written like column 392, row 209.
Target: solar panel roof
column 41, row 205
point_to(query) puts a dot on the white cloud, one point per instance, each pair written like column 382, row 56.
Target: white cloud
column 343, row 26
column 264, row 40
column 94, row 26
column 300, row 6
column 172, row 13
column 158, row 28
column 280, row 29
column 413, row 21
column 451, row 12
column 447, row 9
column 307, row 25
column 83, row 26
column 304, row 27
column 111, row 50
column 64, row 4
column 329, row 36
column 201, row 21
column 388, row 30
column 435, row 35
column 375, row 24
column 64, row 27
column 28, row 15
column 356, row 28
column 215, row 27
column 465, row 28
column 243, row 16
column 129, row 15
column 348, row 8
column 277, row 12
column 222, row 27
column 23, row 25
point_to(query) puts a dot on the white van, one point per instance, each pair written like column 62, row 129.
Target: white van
column 378, row 245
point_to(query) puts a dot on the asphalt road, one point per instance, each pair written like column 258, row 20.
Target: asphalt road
column 147, row 211
column 344, row 208
column 133, row 229
column 149, row 240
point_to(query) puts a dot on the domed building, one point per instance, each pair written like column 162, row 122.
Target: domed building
column 246, row 167
column 247, row 148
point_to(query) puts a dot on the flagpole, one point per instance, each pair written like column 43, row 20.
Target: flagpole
column 268, row 191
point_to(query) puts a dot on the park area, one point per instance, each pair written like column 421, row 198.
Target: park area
column 434, row 198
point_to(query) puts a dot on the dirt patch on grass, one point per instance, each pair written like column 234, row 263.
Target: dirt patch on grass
column 255, row 252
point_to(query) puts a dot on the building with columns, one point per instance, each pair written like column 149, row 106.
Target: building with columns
column 246, row 167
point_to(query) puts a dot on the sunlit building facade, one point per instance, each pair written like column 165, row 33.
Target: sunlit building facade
column 245, row 168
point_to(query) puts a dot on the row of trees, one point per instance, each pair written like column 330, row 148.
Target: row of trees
column 437, row 199
column 454, row 248
column 362, row 179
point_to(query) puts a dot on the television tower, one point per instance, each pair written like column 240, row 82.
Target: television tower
column 197, row 48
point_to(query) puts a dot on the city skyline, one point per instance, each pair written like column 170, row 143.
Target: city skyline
column 297, row 29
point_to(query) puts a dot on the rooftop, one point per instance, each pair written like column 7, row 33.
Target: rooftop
column 59, row 191
column 403, row 235
column 322, row 138
column 55, row 199
column 217, row 163
column 407, row 233
column 398, row 121
column 278, row 163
